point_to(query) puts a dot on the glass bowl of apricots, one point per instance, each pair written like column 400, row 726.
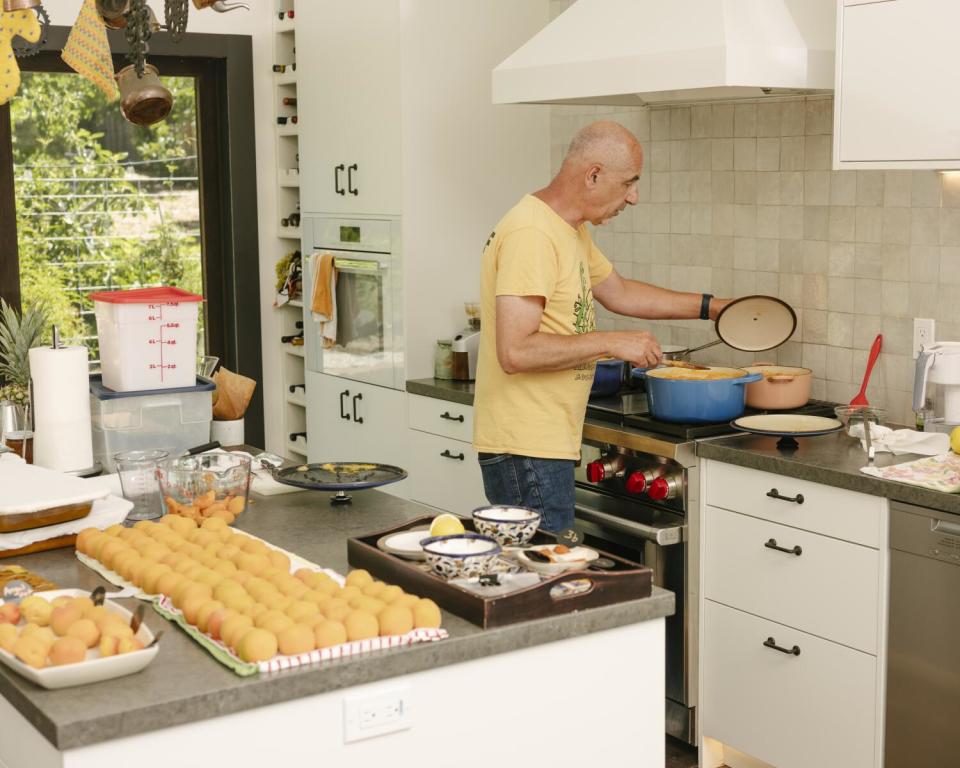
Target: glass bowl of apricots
column 209, row 485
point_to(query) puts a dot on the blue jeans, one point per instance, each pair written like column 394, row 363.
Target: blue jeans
column 545, row 485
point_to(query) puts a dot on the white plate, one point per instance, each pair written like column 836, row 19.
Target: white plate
column 576, row 559
column 95, row 668
column 405, row 544
column 787, row 424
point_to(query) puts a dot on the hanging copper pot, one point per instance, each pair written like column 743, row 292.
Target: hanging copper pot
column 143, row 101
column 112, row 12
column 19, row 5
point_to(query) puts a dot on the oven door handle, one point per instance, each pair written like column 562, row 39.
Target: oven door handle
column 662, row 536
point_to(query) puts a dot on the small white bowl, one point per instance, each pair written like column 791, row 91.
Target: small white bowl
column 460, row 555
column 510, row 526
column 578, row 558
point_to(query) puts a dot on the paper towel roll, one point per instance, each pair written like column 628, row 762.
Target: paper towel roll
column 61, row 408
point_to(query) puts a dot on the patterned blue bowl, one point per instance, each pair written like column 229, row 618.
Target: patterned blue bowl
column 460, row 555
column 510, row 526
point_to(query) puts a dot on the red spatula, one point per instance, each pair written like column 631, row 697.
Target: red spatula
column 860, row 398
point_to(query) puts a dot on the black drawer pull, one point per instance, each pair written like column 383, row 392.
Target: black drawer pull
column 773, row 493
column 771, row 643
column 772, row 544
column 343, row 412
column 447, row 455
column 446, row 415
column 358, row 419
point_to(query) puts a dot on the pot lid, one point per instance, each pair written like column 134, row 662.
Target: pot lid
column 756, row 323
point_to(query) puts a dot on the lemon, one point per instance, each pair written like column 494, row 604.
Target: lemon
column 445, row 525
column 955, row 440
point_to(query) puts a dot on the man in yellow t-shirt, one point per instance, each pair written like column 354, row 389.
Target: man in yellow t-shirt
column 539, row 275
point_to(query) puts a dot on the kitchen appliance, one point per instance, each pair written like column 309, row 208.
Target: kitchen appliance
column 637, row 496
column 465, row 347
column 940, row 364
column 923, row 668
column 637, row 52
column 369, row 300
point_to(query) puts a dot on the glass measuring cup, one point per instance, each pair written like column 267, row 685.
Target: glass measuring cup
column 138, row 479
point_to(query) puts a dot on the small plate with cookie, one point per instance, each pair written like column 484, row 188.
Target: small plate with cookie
column 553, row 559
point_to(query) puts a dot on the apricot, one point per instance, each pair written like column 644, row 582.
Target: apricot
column 191, row 607
column 225, row 567
column 8, row 637
column 373, row 589
column 168, row 582
column 326, row 585
column 240, row 602
column 329, row 633
column 128, row 645
column 407, row 601
column 277, row 623
column 236, row 505
column 254, row 610
column 279, row 560
column 389, row 594
column 44, row 634
column 337, row 609
column 61, row 618
column 84, row 537
column 300, row 609
column 110, row 550
column 31, row 650
column 358, row 578
column 228, row 552
column 257, row 645
column 192, row 591
column 297, row 638
column 234, row 628
column 85, row 604
column 152, row 575
column 369, row 604
column 144, row 525
column 215, row 622
column 395, row 620
column 205, row 611
column 361, row 625
column 85, row 630
column 36, row 610
column 108, row 645
column 224, row 515
column 67, row 650
column 124, row 559
column 350, row 592
column 293, row 588
column 10, row 613
column 317, row 599
column 426, row 614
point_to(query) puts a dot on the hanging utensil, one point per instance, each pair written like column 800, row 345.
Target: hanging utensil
column 861, row 397
column 143, row 100
column 19, row 5
column 175, row 16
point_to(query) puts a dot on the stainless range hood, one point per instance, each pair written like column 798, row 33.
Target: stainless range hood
column 637, row 52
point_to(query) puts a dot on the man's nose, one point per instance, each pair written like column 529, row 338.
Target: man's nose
column 632, row 195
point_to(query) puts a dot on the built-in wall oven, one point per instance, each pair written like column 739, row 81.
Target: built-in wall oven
column 368, row 343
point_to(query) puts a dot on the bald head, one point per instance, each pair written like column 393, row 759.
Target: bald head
column 603, row 143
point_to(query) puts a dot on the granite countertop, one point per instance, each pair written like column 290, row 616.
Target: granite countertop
column 830, row 459
column 185, row 684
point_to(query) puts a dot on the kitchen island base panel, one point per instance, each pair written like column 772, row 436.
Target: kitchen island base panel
column 457, row 711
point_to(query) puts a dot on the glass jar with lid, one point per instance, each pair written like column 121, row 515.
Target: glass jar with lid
column 443, row 359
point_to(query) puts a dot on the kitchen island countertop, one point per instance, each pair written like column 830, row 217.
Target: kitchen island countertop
column 185, row 684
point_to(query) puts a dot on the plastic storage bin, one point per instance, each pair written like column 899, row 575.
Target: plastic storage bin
column 148, row 338
column 172, row 420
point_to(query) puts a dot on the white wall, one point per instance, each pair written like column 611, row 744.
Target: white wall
column 257, row 23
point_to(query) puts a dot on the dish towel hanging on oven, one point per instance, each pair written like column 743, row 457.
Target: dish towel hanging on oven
column 324, row 304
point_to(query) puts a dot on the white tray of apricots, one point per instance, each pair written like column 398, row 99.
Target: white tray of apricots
column 255, row 607
column 59, row 638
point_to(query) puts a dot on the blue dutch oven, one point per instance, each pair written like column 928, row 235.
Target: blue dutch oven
column 696, row 401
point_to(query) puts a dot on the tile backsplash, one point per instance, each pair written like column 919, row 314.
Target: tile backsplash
column 737, row 199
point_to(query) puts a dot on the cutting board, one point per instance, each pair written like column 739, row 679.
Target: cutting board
column 34, row 497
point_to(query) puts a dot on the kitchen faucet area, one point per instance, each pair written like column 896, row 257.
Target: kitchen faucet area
column 383, row 382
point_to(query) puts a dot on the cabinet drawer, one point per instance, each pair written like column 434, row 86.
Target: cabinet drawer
column 835, row 512
column 814, row 709
column 831, row 589
column 440, row 478
column 441, row 417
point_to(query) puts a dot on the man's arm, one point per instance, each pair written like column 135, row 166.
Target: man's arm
column 522, row 347
column 635, row 299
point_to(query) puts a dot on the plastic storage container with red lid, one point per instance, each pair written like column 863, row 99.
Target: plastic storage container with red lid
column 148, row 338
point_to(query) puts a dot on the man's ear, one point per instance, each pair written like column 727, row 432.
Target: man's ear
column 593, row 173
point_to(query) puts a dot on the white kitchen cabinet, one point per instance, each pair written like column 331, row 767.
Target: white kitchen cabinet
column 895, row 85
column 444, row 472
column 349, row 106
column 793, row 604
column 350, row 421
column 396, row 120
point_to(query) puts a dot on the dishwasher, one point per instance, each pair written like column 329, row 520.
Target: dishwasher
column 923, row 661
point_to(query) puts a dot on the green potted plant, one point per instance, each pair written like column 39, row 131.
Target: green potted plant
column 18, row 333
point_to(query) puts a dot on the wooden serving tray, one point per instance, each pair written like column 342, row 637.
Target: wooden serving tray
column 22, row 521
column 626, row 581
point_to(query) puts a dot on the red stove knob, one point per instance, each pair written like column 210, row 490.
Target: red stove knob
column 596, row 471
column 663, row 488
column 637, row 483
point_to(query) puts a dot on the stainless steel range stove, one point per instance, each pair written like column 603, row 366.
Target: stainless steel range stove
column 637, row 495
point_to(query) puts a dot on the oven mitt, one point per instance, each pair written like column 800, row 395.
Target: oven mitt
column 88, row 52
column 24, row 24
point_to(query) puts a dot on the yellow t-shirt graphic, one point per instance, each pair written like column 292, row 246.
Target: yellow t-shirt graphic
column 534, row 252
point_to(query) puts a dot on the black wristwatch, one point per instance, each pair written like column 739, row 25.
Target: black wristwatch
column 705, row 306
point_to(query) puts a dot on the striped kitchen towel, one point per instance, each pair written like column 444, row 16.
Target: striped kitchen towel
column 88, row 52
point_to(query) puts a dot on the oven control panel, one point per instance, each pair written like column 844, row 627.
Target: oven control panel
column 629, row 474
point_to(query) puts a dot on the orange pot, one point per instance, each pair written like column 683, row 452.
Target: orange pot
column 782, row 387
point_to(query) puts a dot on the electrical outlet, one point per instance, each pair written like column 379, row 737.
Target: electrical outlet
column 923, row 334
column 367, row 716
